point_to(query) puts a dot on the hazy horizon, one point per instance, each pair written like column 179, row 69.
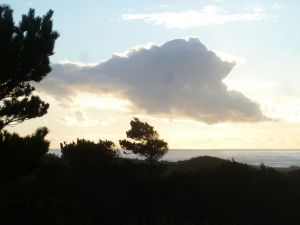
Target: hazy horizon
column 282, row 158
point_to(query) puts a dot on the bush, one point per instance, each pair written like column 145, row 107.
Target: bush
column 21, row 155
column 86, row 151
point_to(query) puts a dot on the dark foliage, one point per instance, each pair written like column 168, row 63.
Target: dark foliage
column 48, row 211
column 146, row 141
column 86, row 156
column 24, row 57
column 84, row 149
column 94, row 188
column 21, row 155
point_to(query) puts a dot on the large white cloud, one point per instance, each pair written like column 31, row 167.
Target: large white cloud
column 181, row 78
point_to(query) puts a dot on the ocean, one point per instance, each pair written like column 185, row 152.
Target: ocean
column 269, row 157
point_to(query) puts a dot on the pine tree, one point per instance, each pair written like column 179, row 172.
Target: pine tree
column 146, row 141
column 24, row 58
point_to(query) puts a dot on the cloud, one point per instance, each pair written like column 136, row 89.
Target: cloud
column 180, row 79
column 79, row 118
column 209, row 15
column 277, row 6
column 256, row 8
column 239, row 60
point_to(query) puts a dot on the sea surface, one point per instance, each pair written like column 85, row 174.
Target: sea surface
column 269, row 157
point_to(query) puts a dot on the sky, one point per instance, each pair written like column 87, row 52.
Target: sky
column 206, row 74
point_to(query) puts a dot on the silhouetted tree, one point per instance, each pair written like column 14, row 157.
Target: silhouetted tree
column 24, row 57
column 146, row 141
column 21, row 155
column 84, row 149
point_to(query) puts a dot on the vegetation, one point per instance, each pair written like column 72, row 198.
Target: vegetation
column 85, row 148
column 21, row 155
column 96, row 190
column 24, row 57
column 146, row 141
column 91, row 185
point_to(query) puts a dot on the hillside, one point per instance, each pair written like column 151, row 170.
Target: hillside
column 91, row 189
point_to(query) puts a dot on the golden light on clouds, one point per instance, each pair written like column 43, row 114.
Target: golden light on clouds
column 103, row 102
column 174, row 93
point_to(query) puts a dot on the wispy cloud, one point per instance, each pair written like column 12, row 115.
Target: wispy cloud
column 208, row 16
column 79, row 118
column 277, row 6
